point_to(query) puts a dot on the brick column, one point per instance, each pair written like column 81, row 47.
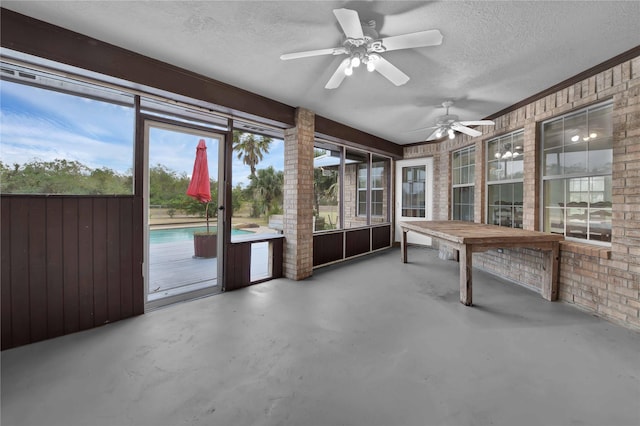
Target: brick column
column 298, row 196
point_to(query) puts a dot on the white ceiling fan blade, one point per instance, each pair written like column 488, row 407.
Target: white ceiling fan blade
column 436, row 134
column 478, row 123
column 338, row 75
column 308, row 53
column 350, row 22
column 391, row 72
column 411, row 40
column 466, row 130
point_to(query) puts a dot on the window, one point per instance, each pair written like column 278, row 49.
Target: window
column 577, row 162
column 326, row 186
column 413, row 191
column 351, row 187
column 61, row 136
column 463, row 164
column 380, row 170
column 362, row 189
column 505, row 173
column 356, row 170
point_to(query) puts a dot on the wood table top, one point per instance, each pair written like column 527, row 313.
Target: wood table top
column 462, row 232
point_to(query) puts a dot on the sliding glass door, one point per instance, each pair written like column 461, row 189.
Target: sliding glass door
column 183, row 257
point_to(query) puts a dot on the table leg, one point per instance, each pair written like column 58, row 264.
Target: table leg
column 551, row 264
column 466, row 284
column 403, row 246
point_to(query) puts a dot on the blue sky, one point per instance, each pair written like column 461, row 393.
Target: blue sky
column 47, row 125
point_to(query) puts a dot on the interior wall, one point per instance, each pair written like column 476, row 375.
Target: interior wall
column 69, row 263
column 601, row 280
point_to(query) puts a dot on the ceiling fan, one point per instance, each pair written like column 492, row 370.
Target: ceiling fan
column 363, row 46
column 449, row 123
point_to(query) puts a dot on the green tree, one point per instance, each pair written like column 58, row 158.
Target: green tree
column 266, row 187
column 61, row 176
column 250, row 148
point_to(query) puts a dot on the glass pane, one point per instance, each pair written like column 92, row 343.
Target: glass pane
column 493, row 150
column 493, row 195
column 413, row 197
column 381, row 170
column 517, row 217
column 553, row 161
column 455, row 161
column 326, row 187
column 553, row 134
column 575, row 129
column 554, row 220
column 61, row 143
column 575, row 158
column 355, row 201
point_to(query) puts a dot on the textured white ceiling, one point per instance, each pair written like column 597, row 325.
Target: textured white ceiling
column 494, row 53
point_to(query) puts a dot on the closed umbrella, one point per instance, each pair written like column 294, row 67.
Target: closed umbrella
column 200, row 187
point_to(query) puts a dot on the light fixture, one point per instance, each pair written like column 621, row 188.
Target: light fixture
column 497, row 155
column 507, row 155
column 575, row 138
column 439, row 134
column 451, row 134
column 355, row 61
column 371, row 66
column 593, row 135
column 348, row 70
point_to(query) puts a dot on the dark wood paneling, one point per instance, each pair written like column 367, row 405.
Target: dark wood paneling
column 70, row 249
column 349, row 134
column 68, row 263
column 327, row 248
column 278, row 258
column 239, row 266
column 380, row 237
column 85, row 263
column 55, row 275
column 126, row 257
column 100, row 294
column 5, row 272
column 19, row 282
column 113, row 259
column 38, row 268
column 357, row 242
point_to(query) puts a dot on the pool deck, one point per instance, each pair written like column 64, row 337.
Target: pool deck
column 174, row 270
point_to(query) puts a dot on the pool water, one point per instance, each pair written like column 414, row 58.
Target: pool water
column 173, row 235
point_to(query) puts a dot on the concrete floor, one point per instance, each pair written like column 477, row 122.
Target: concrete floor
column 370, row 342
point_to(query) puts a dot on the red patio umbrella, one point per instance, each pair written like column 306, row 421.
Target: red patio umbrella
column 200, row 187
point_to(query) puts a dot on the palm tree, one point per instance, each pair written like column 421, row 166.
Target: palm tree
column 251, row 148
column 266, row 187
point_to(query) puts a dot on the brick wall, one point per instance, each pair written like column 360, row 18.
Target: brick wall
column 604, row 281
column 298, row 196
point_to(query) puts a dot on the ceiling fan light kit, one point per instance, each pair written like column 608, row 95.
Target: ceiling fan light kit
column 363, row 46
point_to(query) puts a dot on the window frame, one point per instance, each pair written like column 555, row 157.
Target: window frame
column 470, row 152
column 566, row 178
column 507, row 182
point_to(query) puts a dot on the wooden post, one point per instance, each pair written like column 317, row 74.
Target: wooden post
column 466, row 284
column 403, row 246
column 551, row 265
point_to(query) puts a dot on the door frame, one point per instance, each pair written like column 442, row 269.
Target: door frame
column 413, row 237
column 222, row 136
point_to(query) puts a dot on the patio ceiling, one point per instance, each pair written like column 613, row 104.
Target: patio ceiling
column 494, row 54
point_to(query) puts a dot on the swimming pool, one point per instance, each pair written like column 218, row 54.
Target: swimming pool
column 172, row 235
